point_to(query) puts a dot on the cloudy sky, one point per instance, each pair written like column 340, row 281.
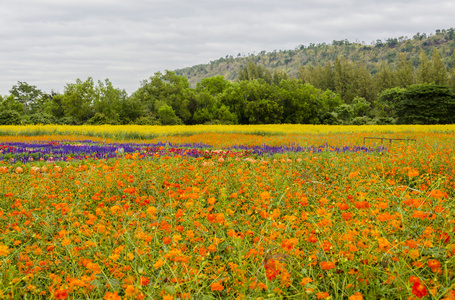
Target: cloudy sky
column 49, row 43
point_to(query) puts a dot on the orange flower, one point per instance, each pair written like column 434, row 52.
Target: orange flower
column 327, row 265
column 216, row 286
column 434, row 265
column 60, row 294
column 305, row 281
column 158, row 263
column 4, row 250
column 438, row 194
column 356, row 296
column 322, row 295
column 130, row 291
column 413, row 173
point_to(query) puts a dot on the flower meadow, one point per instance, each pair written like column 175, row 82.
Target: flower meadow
column 228, row 215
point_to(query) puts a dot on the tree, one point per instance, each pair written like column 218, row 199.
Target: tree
column 451, row 74
column 263, row 111
column 108, row 100
column 28, row 95
column 11, row 103
column 167, row 116
column 384, row 79
column 424, row 71
column 385, row 105
column 426, row 104
column 78, row 99
column 166, row 89
column 343, row 78
column 404, row 73
column 10, row 117
column 213, row 85
column 55, row 106
column 438, row 69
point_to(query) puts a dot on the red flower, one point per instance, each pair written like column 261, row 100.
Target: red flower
column 419, row 290
column 60, row 294
column 144, row 280
column 271, row 269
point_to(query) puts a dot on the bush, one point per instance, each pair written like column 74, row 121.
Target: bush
column 69, row 121
column 426, row 104
column 42, row 118
column 361, row 120
column 167, row 116
column 149, row 120
column 10, row 117
column 98, row 119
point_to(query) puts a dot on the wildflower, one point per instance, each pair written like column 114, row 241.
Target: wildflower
column 144, row 280
column 130, row 291
column 305, row 281
column 112, row 296
column 356, row 296
column 216, row 286
column 438, row 194
column 4, row 250
column 158, row 263
column 327, row 265
column 60, row 294
column 322, row 295
column 434, row 265
column 413, row 173
column 419, row 290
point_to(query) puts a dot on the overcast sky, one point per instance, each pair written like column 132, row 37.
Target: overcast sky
column 49, row 43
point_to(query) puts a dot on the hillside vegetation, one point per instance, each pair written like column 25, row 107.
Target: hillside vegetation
column 290, row 61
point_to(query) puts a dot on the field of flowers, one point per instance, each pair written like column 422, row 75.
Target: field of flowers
column 231, row 213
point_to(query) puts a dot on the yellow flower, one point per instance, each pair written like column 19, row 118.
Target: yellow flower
column 4, row 250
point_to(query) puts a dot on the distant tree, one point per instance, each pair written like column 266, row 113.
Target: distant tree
column 28, row 95
column 451, row 74
column 213, row 85
column 11, row 103
column 343, row 79
column 426, row 104
column 166, row 89
column 78, row 98
column 42, row 118
column 438, row 69
column 108, row 100
column 404, row 73
column 384, row 79
column 167, row 116
column 424, row 71
column 263, row 111
column 345, row 112
column 55, row 106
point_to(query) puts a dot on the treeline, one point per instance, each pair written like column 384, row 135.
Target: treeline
column 342, row 92
column 372, row 54
column 167, row 99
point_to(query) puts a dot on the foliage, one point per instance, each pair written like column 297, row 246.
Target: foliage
column 426, row 104
column 42, row 118
column 10, row 117
column 318, row 56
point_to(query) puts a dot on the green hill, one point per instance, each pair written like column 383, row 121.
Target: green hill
column 290, row 61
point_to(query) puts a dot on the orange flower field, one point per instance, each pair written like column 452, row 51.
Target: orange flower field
column 230, row 223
